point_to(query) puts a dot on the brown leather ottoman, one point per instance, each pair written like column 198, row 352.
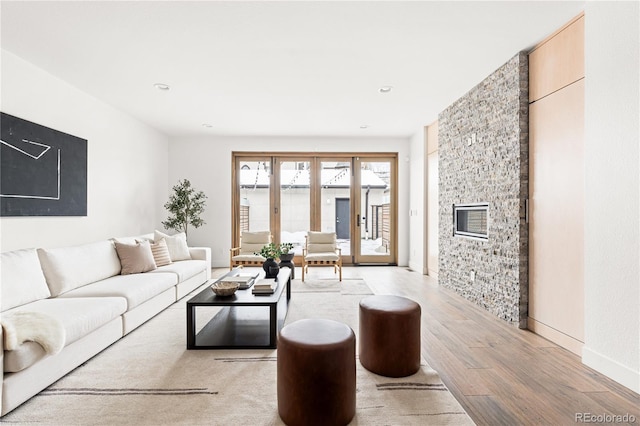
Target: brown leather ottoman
column 390, row 335
column 316, row 373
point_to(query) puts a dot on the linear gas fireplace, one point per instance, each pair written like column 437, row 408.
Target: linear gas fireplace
column 470, row 220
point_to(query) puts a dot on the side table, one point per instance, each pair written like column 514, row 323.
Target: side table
column 289, row 264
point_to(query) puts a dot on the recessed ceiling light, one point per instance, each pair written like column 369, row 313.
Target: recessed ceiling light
column 364, row 126
column 385, row 89
column 207, row 125
column 161, row 86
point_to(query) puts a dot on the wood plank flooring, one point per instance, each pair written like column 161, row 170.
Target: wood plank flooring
column 500, row 374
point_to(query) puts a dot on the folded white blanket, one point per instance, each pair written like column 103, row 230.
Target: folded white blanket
column 22, row 326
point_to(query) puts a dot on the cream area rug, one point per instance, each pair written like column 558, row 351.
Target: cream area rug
column 149, row 378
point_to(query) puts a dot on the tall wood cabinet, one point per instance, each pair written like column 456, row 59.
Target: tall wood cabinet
column 556, row 187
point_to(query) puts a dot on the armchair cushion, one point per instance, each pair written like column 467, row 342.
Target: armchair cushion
column 321, row 250
column 252, row 242
column 321, row 242
column 330, row 256
column 248, row 257
column 322, row 237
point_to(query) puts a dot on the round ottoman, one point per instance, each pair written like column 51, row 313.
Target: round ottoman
column 390, row 335
column 316, row 373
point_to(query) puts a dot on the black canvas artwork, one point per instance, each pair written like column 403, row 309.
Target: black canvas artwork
column 43, row 172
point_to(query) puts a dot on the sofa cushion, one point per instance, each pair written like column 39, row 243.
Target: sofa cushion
column 22, row 280
column 78, row 316
column 135, row 258
column 67, row 268
column 177, row 244
column 19, row 326
column 184, row 269
column 160, row 253
column 135, row 288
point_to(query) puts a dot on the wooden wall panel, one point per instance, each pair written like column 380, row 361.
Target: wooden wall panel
column 432, row 213
column 558, row 61
column 556, row 227
column 432, row 137
column 431, row 200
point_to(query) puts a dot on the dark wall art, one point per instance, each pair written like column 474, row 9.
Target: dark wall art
column 43, row 172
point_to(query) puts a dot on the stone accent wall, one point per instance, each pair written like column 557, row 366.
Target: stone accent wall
column 483, row 150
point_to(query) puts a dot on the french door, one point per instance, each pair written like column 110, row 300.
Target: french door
column 375, row 211
column 291, row 193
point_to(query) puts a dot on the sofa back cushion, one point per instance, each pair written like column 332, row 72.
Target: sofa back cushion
column 67, row 268
column 22, row 280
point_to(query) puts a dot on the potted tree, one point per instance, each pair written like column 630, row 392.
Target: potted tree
column 185, row 206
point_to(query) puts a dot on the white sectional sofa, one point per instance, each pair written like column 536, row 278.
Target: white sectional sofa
column 79, row 293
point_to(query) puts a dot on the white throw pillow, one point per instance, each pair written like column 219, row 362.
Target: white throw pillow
column 22, row 280
column 177, row 245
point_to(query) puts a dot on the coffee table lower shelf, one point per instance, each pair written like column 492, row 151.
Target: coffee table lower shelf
column 241, row 327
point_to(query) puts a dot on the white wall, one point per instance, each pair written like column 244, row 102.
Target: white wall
column 417, row 202
column 127, row 161
column 612, row 228
column 206, row 162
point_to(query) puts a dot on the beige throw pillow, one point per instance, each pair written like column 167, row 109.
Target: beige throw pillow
column 177, row 244
column 135, row 258
column 160, row 253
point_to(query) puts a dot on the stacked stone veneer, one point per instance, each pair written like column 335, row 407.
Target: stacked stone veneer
column 493, row 169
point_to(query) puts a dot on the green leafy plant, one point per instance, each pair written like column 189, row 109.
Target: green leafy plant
column 274, row 251
column 185, row 206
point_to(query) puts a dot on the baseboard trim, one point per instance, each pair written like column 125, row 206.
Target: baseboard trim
column 612, row 369
column 555, row 336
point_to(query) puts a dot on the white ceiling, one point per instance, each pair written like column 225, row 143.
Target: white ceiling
column 278, row 68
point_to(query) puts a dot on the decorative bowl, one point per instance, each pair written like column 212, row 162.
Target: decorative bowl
column 225, row 289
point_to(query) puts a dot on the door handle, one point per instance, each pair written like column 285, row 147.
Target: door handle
column 337, row 220
column 358, row 221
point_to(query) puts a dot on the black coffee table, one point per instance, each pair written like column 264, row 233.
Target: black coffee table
column 246, row 321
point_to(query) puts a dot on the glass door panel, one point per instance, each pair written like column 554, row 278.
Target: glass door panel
column 375, row 230
column 335, row 201
column 254, row 180
column 295, row 202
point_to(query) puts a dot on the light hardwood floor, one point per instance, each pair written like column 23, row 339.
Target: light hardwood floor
column 500, row 374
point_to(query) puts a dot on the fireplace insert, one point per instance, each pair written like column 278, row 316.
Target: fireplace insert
column 470, row 220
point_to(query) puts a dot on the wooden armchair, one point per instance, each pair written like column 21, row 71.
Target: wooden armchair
column 250, row 243
column 321, row 249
